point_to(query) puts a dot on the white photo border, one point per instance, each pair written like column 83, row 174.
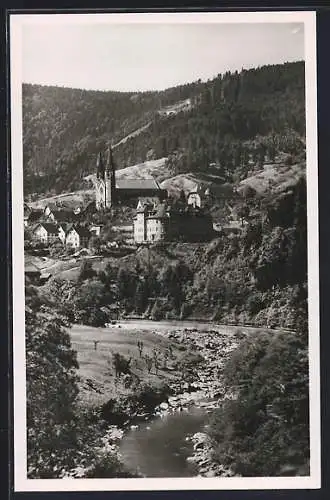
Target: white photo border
column 21, row 482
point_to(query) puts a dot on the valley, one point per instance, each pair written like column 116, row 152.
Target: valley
column 166, row 278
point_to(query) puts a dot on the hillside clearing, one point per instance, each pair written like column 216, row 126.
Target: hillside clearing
column 96, row 369
column 274, row 177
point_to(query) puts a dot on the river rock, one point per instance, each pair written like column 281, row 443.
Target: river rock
column 163, row 406
column 200, row 437
column 199, row 446
column 134, row 427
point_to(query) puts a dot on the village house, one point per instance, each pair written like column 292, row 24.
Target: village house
column 59, row 216
column 33, row 216
column 204, row 196
column 199, row 197
column 77, row 237
column 63, row 230
column 95, row 229
column 27, row 212
column 45, row 232
column 32, row 272
column 48, row 209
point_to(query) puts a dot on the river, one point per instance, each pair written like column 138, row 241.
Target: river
column 159, row 448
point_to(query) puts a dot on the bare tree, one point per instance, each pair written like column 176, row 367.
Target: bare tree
column 140, row 347
column 149, row 362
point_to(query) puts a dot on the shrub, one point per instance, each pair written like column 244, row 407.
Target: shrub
column 108, row 465
column 121, row 364
column 267, row 426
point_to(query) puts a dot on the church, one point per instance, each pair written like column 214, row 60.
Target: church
column 110, row 191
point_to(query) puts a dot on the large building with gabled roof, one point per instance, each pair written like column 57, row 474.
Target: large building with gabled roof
column 161, row 221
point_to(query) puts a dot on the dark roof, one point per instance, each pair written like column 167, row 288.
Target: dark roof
column 82, row 231
column 31, row 268
column 160, row 212
column 35, row 215
column 66, row 226
column 51, row 205
column 50, row 227
column 145, row 208
column 148, row 200
column 137, row 184
column 27, row 209
column 90, row 207
column 64, row 215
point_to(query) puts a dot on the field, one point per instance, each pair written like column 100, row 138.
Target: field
column 274, row 177
column 66, row 200
column 98, row 382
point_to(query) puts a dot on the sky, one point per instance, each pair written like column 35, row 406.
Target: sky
column 138, row 57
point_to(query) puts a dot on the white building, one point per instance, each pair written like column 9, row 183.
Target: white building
column 199, row 197
column 150, row 222
column 46, row 232
column 63, row 230
column 77, row 237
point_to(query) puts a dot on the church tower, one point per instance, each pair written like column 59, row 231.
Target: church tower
column 105, row 182
column 100, row 183
column 110, row 180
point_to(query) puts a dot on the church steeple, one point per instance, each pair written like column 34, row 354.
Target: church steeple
column 110, row 179
column 100, row 166
column 109, row 166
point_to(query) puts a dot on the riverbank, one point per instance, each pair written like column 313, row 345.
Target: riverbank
column 205, row 390
column 190, row 385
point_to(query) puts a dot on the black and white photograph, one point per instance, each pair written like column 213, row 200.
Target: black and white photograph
column 165, row 251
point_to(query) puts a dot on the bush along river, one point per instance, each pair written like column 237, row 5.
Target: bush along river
column 172, row 440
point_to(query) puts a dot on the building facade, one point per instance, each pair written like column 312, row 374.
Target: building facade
column 45, row 233
column 150, row 223
column 77, row 237
column 167, row 222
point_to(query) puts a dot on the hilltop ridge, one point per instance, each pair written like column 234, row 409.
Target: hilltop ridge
column 214, row 127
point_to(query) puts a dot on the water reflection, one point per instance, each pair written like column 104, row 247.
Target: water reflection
column 160, row 448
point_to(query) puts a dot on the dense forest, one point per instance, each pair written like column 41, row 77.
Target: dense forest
column 232, row 118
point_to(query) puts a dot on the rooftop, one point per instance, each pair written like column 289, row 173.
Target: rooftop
column 81, row 230
column 137, row 184
column 64, row 215
column 49, row 226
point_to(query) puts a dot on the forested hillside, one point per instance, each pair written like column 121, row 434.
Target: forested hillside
column 231, row 119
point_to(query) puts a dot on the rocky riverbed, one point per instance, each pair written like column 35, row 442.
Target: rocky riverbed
column 206, row 390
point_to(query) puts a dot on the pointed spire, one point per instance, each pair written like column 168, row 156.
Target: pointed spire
column 109, row 166
column 99, row 165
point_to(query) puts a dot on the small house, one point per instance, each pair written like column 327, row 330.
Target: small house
column 77, row 237
column 63, row 230
column 46, row 232
column 49, row 208
column 33, row 216
column 95, row 229
column 32, row 272
column 27, row 212
column 199, row 197
column 59, row 216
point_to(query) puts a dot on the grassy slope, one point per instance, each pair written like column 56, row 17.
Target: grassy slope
column 275, row 177
column 97, row 374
